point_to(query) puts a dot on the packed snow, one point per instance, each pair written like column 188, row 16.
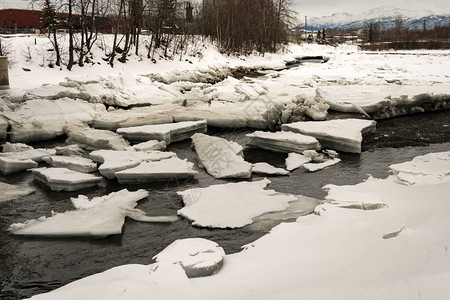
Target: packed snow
column 343, row 135
column 221, row 158
column 63, row 179
column 97, row 217
column 231, row 205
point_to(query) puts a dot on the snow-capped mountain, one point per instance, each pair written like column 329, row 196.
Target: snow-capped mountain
column 385, row 15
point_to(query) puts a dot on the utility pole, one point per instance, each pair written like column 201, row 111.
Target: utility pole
column 306, row 28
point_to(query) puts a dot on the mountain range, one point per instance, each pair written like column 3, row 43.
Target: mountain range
column 385, row 15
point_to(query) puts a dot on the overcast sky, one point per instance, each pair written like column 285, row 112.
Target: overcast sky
column 318, row 8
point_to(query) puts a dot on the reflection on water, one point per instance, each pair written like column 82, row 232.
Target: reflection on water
column 32, row 265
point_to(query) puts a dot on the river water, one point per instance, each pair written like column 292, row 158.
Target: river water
column 33, row 265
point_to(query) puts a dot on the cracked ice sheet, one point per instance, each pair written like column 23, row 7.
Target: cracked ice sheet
column 114, row 161
column 98, row 217
column 231, row 205
column 221, row 158
column 342, row 135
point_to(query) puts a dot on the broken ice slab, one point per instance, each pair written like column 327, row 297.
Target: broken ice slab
column 114, row 161
column 313, row 167
column 167, row 169
column 62, row 179
column 80, row 164
column 120, row 118
column 198, row 257
column 93, row 139
column 169, row 133
column 282, row 141
column 98, row 217
column 38, row 120
column 265, row 168
column 10, row 192
column 11, row 165
column 231, row 205
column 149, row 146
column 34, row 154
column 69, row 150
column 221, row 157
column 296, row 160
column 343, row 135
column 141, row 216
column 15, row 147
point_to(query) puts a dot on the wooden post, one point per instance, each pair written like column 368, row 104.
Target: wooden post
column 4, row 78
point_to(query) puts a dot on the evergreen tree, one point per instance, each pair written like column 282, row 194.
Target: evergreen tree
column 319, row 37
column 50, row 22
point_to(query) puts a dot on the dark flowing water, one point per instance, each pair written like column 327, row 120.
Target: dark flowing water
column 33, row 265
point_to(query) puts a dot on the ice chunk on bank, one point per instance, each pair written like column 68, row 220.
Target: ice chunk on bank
column 98, row 217
column 342, row 135
column 141, row 216
column 149, row 146
column 114, row 161
column 296, row 160
column 198, row 257
column 10, row 192
column 221, row 157
column 69, row 150
column 34, row 154
column 62, row 179
column 38, row 120
column 231, row 205
column 94, row 138
column 169, row 133
column 15, row 147
column 80, row 164
column 424, row 169
column 265, row 168
column 354, row 200
column 168, row 169
column 282, row 141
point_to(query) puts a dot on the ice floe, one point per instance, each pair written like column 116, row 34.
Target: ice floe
column 62, row 179
column 15, row 147
column 169, row 133
column 93, row 139
column 231, row 205
column 149, row 146
column 198, row 257
column 313, row 167
column 343, row 135
column 11, row 165
column 167, row 169
column 98, row 217
column 34, row 154
column 424, row 169
column 296, row 160
column 80, row 164
column 265, row 168
column 282, row 141
column 221, row 158
column 114, row 161
column 10, row 192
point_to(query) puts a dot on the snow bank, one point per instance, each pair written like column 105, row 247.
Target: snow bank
column 163, row 132
column 282, row 141
column 198, row 257
column 231, row 205
column 221, row 158
column 37, row 120
column 98, row 217
column 342, row 135
column 62, row 179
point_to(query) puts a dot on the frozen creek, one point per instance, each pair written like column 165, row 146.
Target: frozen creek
column 32, row 265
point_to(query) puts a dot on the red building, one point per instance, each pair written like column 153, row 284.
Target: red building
column 19, row 20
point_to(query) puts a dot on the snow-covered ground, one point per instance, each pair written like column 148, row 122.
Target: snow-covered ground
column 380, row 239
